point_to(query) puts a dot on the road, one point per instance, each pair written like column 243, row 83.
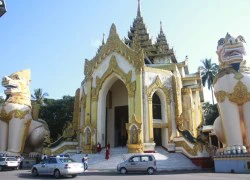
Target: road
column 25, row 174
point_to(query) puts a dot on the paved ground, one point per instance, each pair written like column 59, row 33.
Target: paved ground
column 94, row 175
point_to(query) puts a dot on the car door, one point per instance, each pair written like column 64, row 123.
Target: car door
column 51, row 165
column 134, row 163
column 42, row 167
column 144, row 164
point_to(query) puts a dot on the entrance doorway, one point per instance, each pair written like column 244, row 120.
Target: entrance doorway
column 157, row 136
column 121, row 118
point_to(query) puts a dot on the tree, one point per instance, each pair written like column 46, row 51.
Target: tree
column 208, row 72
column 39, row 96
column 57, row 113
column 210, row 113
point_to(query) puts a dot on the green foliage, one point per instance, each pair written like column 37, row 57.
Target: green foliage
column 208, row 72
column 57, row 113
column 39, row 96
column 210, row 113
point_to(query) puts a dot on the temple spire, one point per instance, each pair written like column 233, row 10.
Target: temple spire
column 161, row 31
column 139, row 9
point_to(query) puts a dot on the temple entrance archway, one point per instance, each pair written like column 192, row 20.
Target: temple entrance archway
column 113, row 114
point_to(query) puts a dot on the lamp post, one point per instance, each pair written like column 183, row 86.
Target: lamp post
column 2, row 8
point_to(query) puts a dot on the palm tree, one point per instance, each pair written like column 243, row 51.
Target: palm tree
column 39, row 96
column 208, row 72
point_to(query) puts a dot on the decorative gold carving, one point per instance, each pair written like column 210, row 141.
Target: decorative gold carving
column 6, row 117
column 25, row 133
column 76, row 113
column 134, row 129
column 157, row 84
column 186, row 91
column 114, row 44
column 192, row 151
column 114, row 68
column 160, row 125
column 239, row 96
column 135, row 148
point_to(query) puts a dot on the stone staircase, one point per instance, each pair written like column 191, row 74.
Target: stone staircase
column 165, row 161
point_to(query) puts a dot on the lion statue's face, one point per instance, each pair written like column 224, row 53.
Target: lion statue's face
column 17, row 85
column 231, row 51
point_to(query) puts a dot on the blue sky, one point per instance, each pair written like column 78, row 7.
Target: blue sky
column 53, row 38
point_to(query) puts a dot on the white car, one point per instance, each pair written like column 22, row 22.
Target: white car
column 57, row 166
column 8, row 163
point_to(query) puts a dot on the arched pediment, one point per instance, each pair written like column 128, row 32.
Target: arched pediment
column 157, row 84
column 114, row 68
column 114, row 44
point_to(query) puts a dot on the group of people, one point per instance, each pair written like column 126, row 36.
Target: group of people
column 99, row 149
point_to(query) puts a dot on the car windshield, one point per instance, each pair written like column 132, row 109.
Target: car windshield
column 11, row 159
column 66, row 160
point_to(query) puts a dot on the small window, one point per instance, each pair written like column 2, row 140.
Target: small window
column 135, row 159
column 145, row 158
column 156, row 107
column 1, row 159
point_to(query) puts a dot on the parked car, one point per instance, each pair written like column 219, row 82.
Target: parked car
column 138, row 163
column 8, row 163
column 57, row 166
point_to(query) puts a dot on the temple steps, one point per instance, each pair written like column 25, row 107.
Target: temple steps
column 165, row 161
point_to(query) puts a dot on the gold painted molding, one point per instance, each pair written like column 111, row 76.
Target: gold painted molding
column 6, row 117
column 114, row 68
column 114, row 44
column 192, row 151
column 239, row 96
column 156, row 85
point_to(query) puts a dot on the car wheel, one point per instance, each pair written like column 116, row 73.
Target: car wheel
column 74, row 175
column 34, row 172
column 123, row 170
column 1, row 168
column 57, row 173
column 150, row 170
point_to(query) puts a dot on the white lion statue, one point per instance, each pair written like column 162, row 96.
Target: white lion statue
column 232, row 91
column 18, row 131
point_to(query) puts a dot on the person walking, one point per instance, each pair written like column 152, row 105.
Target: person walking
column 85, row 162
column 21, row 162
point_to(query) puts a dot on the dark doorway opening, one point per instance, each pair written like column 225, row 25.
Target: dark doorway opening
column 121, row 118
column 157, row 136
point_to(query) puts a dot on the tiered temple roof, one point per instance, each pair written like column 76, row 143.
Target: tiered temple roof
column 159, row 49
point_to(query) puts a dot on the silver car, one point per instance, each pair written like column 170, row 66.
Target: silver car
column 139, row 163
column 57, row 166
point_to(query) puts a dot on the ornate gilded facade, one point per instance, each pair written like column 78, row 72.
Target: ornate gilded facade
column 134, row 94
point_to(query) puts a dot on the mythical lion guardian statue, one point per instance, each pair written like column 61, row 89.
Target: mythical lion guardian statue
column 19, row 133
column 232, row 91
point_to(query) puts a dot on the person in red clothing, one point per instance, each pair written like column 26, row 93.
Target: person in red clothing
column 98, row 147
column 107, row 156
